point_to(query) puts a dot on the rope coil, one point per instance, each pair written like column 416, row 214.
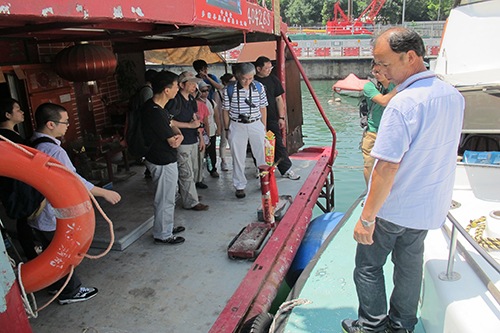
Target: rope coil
column 485, row 242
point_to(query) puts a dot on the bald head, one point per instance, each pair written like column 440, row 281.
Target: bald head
column 399, row 52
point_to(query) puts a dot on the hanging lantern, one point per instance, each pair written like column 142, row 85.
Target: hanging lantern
column 85, row 62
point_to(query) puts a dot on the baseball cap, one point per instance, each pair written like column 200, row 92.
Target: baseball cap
column 186, row 76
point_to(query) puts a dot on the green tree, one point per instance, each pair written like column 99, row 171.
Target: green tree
column 304, row 12
column 434, row 9
column 392, row 11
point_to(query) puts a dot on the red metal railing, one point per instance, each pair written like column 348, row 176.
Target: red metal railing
column 313, row 94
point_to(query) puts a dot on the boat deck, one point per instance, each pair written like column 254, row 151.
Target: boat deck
column 328, row 283
column 158, row 288
column 467, row 304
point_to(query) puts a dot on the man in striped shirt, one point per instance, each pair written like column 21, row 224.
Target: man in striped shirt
column 244, row 108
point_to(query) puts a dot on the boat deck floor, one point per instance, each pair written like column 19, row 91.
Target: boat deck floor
column 145, row 287
column 327, row 282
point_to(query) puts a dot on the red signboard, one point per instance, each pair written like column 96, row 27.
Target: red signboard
column 238, row 14
column 223, row 12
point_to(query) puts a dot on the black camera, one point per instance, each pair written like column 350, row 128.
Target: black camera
column 244, row 118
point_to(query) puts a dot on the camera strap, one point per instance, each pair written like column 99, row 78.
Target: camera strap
column 250, row 98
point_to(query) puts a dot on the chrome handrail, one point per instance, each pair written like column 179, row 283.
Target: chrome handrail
column 474, row 244
column 449, row 274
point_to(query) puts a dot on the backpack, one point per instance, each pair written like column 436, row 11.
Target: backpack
column 364, row 111
column 134, row 103
column 134, row 137
column 133, row 134
column 20, row 199
column 230, row 88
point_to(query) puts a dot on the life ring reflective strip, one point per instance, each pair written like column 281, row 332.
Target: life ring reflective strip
column 71, row 202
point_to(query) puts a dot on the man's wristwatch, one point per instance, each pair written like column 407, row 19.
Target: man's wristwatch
column 282, row 118
column 366, row 223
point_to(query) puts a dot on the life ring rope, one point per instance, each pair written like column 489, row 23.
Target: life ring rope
column 27, row 305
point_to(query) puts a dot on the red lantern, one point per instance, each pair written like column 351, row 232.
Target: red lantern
column 85, row 62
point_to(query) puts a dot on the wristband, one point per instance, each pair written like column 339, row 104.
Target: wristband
column 366, row 223
column 227, row 129
column 282, row 118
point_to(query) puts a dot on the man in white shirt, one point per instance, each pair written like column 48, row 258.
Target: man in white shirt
column 244, row 108
column 410, row 187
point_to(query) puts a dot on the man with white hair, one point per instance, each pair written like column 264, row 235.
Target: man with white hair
column 244, row 107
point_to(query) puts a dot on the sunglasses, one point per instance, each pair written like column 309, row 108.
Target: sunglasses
column 204, row 90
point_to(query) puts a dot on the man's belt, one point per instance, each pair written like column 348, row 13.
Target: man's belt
column 245, row 121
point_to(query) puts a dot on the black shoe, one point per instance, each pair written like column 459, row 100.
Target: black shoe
column 351, row 326
column 240, row 194
column 170, row 241
column 178, row 229
column 391, row 329
column 201, row 185
column 82, row 295
column 199, row 207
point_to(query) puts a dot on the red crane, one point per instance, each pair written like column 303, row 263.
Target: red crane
column 361, row 26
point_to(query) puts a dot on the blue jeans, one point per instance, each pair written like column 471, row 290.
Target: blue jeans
column 407, row 247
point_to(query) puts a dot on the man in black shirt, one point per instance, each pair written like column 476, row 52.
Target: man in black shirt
column 275, row 114
column 163, row 138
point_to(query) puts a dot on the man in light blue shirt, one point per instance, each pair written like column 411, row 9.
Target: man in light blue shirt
column 410, row 187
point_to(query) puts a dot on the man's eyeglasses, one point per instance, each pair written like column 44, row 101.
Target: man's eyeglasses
column 61, row 122
column 204, row 90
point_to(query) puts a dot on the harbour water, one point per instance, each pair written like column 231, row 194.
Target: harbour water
column 344, row 117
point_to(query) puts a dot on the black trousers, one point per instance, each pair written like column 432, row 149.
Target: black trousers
column 26, row 239
column 211, row 152
column 280, row 149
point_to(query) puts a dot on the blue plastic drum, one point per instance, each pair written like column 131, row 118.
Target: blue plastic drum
column 316, row 234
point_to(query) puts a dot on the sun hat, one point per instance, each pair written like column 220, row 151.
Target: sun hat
column 186, row 76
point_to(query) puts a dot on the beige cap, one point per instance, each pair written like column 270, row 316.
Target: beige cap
column 187, row 76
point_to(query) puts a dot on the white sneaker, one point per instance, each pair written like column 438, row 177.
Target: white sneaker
column 223, row 166
column 291, row 175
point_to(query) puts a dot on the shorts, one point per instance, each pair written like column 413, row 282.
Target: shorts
column 366, row 147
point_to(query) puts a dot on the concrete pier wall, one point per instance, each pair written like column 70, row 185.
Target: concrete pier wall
column 335, row 69
column 317, row 69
